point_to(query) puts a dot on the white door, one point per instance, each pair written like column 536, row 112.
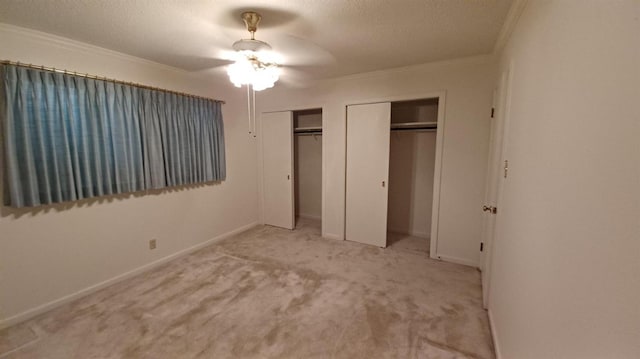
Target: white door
column 368, row 131
column 277, row 169
column 495, row 176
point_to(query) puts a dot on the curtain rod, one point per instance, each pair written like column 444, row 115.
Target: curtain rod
column 96, row 77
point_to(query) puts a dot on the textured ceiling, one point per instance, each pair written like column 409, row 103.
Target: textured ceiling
column 316, row 38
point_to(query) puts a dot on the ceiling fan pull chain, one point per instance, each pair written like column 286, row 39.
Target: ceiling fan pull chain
column 254, row 110
column 249, row 108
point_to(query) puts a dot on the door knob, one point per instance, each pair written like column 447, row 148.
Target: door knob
column 382, row 183
column 490, row 209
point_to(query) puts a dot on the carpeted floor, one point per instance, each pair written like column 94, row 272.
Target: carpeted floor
column 408, row 243
column 273, row 293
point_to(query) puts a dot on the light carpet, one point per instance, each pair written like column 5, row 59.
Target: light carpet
column 272, row 293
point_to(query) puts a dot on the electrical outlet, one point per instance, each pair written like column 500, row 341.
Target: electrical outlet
column 152, row 244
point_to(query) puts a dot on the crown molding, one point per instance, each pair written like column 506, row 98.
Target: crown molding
column 66, row 43
column 516, row 9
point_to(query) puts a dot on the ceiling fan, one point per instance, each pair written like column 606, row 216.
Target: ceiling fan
column 254, row 65
column 257, row 66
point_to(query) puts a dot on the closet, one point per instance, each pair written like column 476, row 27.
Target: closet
column 308, row 166
column 391, row 173
column 291, row 156
column 412, row 157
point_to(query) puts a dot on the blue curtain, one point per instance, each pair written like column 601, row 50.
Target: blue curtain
column 67, row 138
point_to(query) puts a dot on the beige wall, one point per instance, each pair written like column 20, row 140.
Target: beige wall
column 566, row 269
column 468, row 84
column 411, row 165
column 308, row 176
column 56, row 251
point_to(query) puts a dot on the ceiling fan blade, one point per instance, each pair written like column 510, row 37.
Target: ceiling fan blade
column 200, row 63
column 295, row 50
column 288, row 51
column 216, row 70
column 293, row 77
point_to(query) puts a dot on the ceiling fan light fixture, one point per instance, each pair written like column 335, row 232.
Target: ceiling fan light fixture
column 248, row 68
column 251, row 71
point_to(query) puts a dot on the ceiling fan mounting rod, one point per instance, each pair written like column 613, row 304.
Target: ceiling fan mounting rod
column 251, row 20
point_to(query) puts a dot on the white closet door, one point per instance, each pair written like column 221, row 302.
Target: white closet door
column 368, row 136
column 277, row 169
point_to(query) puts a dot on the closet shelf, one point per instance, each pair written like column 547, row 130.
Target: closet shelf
column 317, row 129
column 417, row 125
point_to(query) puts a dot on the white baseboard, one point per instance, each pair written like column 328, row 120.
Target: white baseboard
column 28, row 314
column 456, row 260
column 494, row 336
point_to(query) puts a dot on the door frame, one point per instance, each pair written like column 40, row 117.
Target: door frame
column 261, row 163
column 437, row 172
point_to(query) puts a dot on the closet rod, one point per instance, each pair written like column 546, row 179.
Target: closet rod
column 414, row 129
column 307, row 130
column 314, row 133
column 428, row 124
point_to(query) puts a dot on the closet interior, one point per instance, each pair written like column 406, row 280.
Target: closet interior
column 412, row 153
column 307, row 129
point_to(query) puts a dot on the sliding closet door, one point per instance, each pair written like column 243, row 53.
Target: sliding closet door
column 368, row 130
column 277, row 169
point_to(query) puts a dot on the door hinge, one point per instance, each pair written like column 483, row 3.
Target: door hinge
column 493, row 110
column 481, row 246
column 506, row 168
